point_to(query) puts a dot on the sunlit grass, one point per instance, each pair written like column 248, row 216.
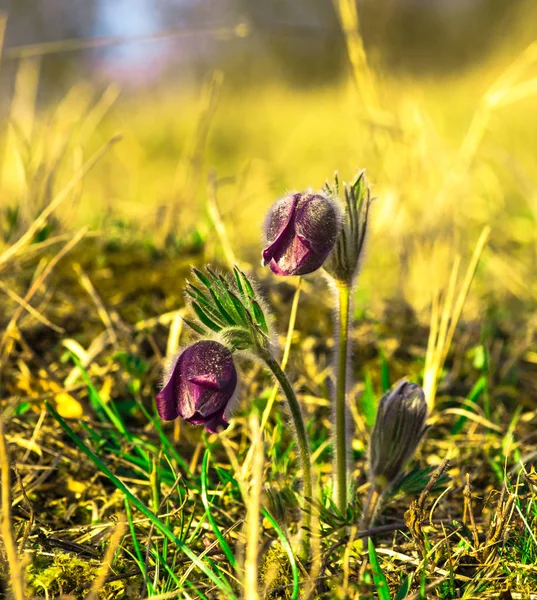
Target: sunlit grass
column 103, row 271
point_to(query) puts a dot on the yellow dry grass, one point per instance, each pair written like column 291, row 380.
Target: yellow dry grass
column 451, row 161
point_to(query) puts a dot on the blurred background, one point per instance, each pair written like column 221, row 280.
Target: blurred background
column 239, row 101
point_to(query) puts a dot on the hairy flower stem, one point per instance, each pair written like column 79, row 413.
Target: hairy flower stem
column 340, row 474
column 301, row 438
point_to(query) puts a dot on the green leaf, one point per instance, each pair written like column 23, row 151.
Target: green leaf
column 202, row 277
column 237, row 337
column 202, row 316
column 196, row 294
column 222, row 291
column 260, row 316
column 239, row 307
column 236, row 273
column 193, row 325
column 205, row 303
column 379, row 578
column 225, row 315
column 249, row 287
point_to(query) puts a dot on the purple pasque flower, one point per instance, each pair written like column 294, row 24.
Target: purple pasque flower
column 300, row 231
column 201, row 386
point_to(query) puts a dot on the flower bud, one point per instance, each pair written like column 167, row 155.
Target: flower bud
column 399, row 428
column 300, row 232
column 344, row 260
column 201, row 386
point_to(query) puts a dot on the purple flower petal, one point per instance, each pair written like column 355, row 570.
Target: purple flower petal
column 300, row 232
column 317, row 224
column 207, row 380
column 202, row 382
column 279, row 226
column 166, row 405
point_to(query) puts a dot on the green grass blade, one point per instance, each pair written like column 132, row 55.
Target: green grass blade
column 402, row 592
column 170, row 450
column 381, row 584
column 368, row 401
column 423, row 582
column 110, row 410
column 287, row 547
column 222, row 585
column 205, row 499
column 95, row 397
column 136, row 545
column 384, row 374
column 479, row 387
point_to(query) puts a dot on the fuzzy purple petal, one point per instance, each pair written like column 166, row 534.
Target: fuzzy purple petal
column 317, row 223
column 291, row 257
column 279, row 226
column 166, row 404
column 207, row 380
column 202, row 383
column 301, row 230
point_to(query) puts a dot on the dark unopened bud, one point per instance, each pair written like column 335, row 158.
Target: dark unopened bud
column 300, row 232
column 200, row 387
column 399, row 428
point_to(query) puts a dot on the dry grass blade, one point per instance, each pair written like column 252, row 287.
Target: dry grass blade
column 28, row 307
column 164, row 319
column 362, row 74
column 27, row 237
column 471, row 416
column 37, row 285
column 468, row 514
column 216, row 219
column 86, row 283
column 17, row 580
column 29, row 507
column 188, row 171
column 77, row 44
column 174, row 336
column 113, row 545
column 502, row 91
column 416, row 514
column 3, row 21
column 252, row 519
column 445, row 317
